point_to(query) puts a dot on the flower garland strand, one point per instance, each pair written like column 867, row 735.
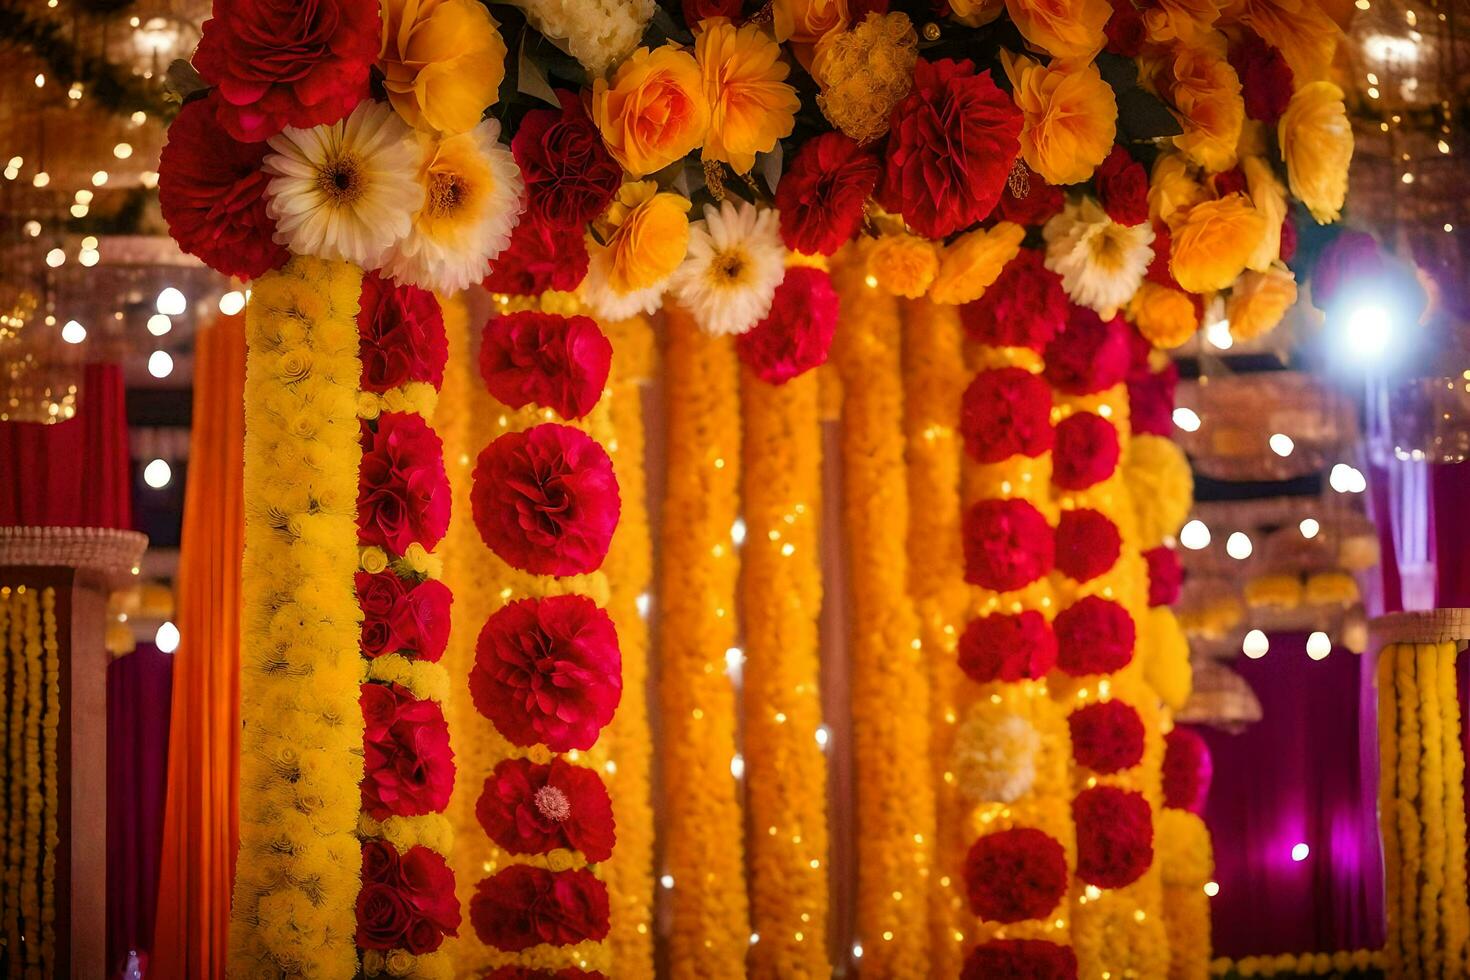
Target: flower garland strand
column 15, row 824
column 781, row 600
column 30, row 886
column 9, row 611
column 50, row 730
column 703, row 849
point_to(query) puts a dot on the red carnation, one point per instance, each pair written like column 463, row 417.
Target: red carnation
column 383, row 916
column 1040, row 202
column 545, row 500
column 699, row 10
column 1115, row 836
column 522, row 906
column 1122, row 187
column 421, row 882
column 379, row 863
column 1266, row 81
column 1016, row 874
column 559, row 362
column 402, row 492
column 528, row 973
column 1151, row 401
column 1165, row 576
column 421, row 620
column 408, row 767
column 1125, row 30
column 821, row 195
column 1094, row 636
column 548, row 670
column 1006, row 647
column 1091, row 355
column 377, row 595
column 1008, row 544
column 277, row 64
column 400, row 335
column 797, row 334
column 539, row 258
column 1024, row 307
column 531, row 809
column 1107, row 737
column 211, row 191
column 1086, row 451
column 1006, row 412
column 950, row 147
column 1020, row 959
column 1188, row 770
column 1158, row 268
column 1088, row 544
column 570, row 177
column 428, row 883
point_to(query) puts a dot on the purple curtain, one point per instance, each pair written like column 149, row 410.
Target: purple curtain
column 1301, row 775
column 139, row 687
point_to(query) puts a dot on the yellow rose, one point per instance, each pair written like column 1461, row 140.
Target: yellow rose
column 751, row 106
column 1205, row 92
column 1069, row 116
column 976, row 13
column 1317, row 145
column 903, row 264
column 1165, row 316
column 807, row 21
column 1062, row 28
column 647, row 234
column 1213, row 243
column 442, row 60
column 653, row 111
column 971, row 263
column 1269, row 198
column 1259, row 301
column 1172, row 189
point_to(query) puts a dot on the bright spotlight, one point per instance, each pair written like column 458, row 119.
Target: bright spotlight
column 157, row 474
column 1367, row 330
column 1318, row 645
column 1238, row 546
column 1186, row 419
column 171, row 302
column 167, row 638
column 1255, row 645
column 1195, row 535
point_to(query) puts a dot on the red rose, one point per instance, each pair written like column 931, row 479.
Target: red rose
column 379, row 863
column 383, row 916
column 821, row 195
column 400, row 335
column 428, row 884
column 1086, row 451
column 1090, row 356
column 545, row 500
column 408, row 767
column 377, row 595
column 1040, row 202
column 211, row 191
column 527, row 973
column 1115, row 836
column 1165, row 576
column 1122, row 187
column 1088, row 544
column 421, row 620
column 402, row 492
column 1024, row 307
column 570, row 177
column 522, row 906
column 558, row 362
column 1014, row 875
column 698, row 10
column 539, row 258
column 1094, row 636
column 531, row 809
column 950, row 147
column 1188, row 770
column 1266, row 81
column 1006, row 412
column 548, row 670
column 1125, row 30
column 278, row 63
column 797, row 334
column 1107, row 737
column 1006, row 647
column 1020, row 959
column 1151, row 402
column 1008, row 544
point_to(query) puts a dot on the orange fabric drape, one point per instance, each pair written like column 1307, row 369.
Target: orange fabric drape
column 200, row 828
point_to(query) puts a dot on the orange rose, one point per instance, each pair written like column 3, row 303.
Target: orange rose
column 751, row 106
column 1317, row 145
column 654, row 109
column 1172, row 189
column 1062, row 28
column 1165, row 316
column 1259, row 301
column 807, row 21
column 647, row 234
column 1213, row 243
column 1069, row 116
column 1205, row 92
column 442, row 61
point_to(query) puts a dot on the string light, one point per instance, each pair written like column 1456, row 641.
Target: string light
column 1281, row 444
column 73, row 332
column 1299, row 852
column 171, row 302
column 160, row 364
column 41, row 179
column 1309, row 527
column 1255, row 645
column 1238, row 546
column 1195, row 535
column 55, row 258
column 232, row 302
column 1318, row 645
column 122, row 150
column 1212, row 888
column 157, row 474
column 1186, row 419
column 158, row 324
column 167, row 638
column 99, row 178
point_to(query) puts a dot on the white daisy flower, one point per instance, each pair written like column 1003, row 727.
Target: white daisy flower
column 736, row 260
column 1100, row 261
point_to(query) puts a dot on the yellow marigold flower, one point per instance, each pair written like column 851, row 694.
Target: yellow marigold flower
column 1166, row 666
column 751, row 106
column 1185, row 855
column 1277, row 591
column 1062, row 28
column 1269, row 198
column 808, row 21
column 1214, row 241
column 653, row 111
column 1300, row 29
column 1259, row 301
column 972, row 262
column 1317, row 145
column 1205, row 91
column 1069, row 116
column 1172, row 189
column 1165, row 316
column 976, row 13
column 442, row 60
column 1156, row 470
column 903, row 264
column 647, row 236
column 863, row 73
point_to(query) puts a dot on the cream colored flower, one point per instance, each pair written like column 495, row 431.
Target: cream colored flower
column 736, row 260
column 1100, row 261
column 598, row 33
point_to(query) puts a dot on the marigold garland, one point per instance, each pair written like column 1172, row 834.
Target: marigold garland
column 1303, row 964
column 1186, row 859
column 15, row 822
column 50, row 730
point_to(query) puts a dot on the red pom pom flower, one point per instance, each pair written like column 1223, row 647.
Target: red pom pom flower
column 796, row 335
column 406, row 902
column 1266, row 81
column 1091, row 355
column 570, row 177
column 1165, row 576
column 821, row 195
column 1107, row 737
column 1006, row 412
column 1151, row 401
column 522, row 906
column 403, row 491
column 1016, row 874
column 1020, row 959
column 403, row 617
column 559, row 362
column 1088, row 544
column 532, row 809
column 1086, row 451
column 1122, row 187
column 540, row 257
column 545, row 500
column 1007, row 647
column 1188, row 770
column 1115, row 836
column 1024, row 307
column 1008, row 544
column 400, row 333
column 548, row 670
column 1094, row 636
column 408, row 767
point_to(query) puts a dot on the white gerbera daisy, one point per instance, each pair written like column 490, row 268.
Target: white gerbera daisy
column 347, row 190
column 609, row 304
column 473, row 198
column 736, row 260
column 1100, row 261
